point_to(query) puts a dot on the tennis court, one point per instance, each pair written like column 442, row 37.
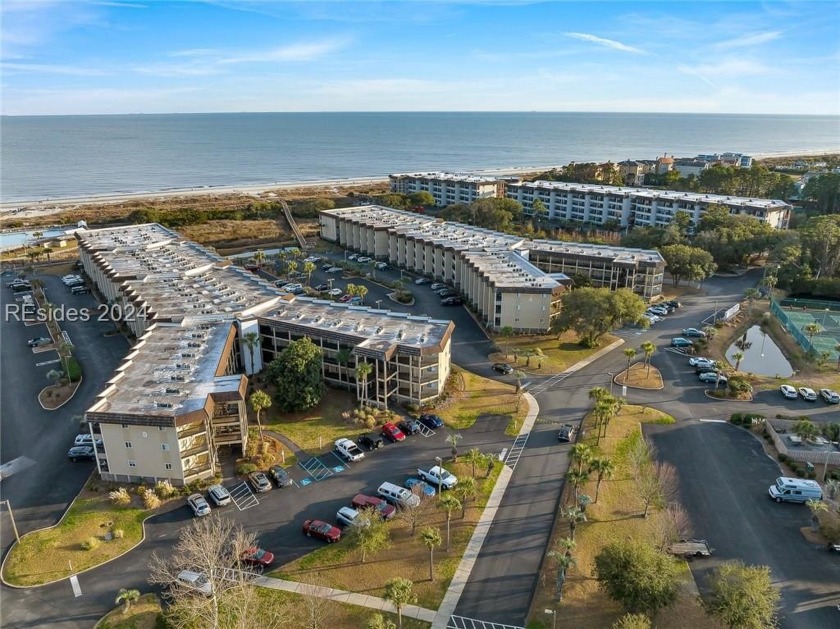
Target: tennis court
column 798, row 314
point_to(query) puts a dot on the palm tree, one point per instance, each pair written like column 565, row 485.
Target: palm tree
column 252, row 341
column 342, row 357
column 127, row 597
column 399, row 592
column 474, row 456
column 291, row 267
column 466, row 488
column 361, row 292
column 562, row 554
column 430, row 536
column 575, row 516
column 580, row 454
column 811, row 329
column 518, row 375
column 54, row 375
column 631, row 354
column 750, row 295
column 309, row 268
column 577, row 478
column 648, row 348
column 743, row 344
column 448, row 503
column 506, row 332
column 363, row 370
column 738, row 357
column 453, row 439
column 596, row 393
column 259, row 257
column 604, row 468
column 710, row 331
column 65, row 351
column 770, row 282
column 816, row 507
column 259, row 401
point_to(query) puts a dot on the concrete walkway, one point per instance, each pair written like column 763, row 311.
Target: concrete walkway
column 342, row 596
column 462, row 573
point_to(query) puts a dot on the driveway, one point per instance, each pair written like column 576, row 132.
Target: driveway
column 724, row 476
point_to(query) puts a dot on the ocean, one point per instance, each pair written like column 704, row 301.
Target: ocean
column 49, row 157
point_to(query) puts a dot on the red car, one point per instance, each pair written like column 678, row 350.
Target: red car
column 257, row 557
column 361, row 501
column 345, row 298
column 322, row 530
column 392, row 433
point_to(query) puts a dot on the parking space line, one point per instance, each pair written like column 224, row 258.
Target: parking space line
column 316, row 468
column 461, row 622
column 243, row 497
column 426, row 431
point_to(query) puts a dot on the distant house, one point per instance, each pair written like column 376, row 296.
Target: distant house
column 690, row 167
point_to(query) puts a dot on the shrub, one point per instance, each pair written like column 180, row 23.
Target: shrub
column 265, row 460
column 246, row 468
column 736, row 418
column 74, row 370
column 164, row 489
column 800, row 472
column 118, row 533
column 90, row 543
column 120, row 497
column 783, row 458
column 150, row 500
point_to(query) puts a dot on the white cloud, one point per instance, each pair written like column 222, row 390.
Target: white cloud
column 745, row 41
column 48, row 68
column 291, row 52
column 607, row 43
column 729, row 69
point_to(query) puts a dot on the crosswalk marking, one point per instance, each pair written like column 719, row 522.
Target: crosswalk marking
column 516, row 450
column 461, row 622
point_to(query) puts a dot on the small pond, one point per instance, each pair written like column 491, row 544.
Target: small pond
column 763, row 357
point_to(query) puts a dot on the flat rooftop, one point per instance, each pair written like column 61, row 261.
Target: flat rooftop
column 169, row 372
column 617, row 254
column 444, row 176
column 508, row 269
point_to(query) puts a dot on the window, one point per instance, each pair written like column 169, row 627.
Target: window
column 164, row 447
column 168, row 466
column 125, row 425
column 127, row 444
column 131, row 463
column 161, row 428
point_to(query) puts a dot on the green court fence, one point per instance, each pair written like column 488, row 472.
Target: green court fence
column 797, row 314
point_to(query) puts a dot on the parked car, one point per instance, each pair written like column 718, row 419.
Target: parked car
column 313, row 259
column 335, row 292
column 409, row 426
column 831, row 397
column 693, row 332
column 567, row 433
column 219, row 495
column 382, row 266
column 431, row 421
column 699, row 360
column 345, row 298
column 712, row 376
column 362, row 501
column 681, row 342
column 355, row 300
column 195, row 581
column 257, row 557
column 789, row 392
column 674, row 303
column 421, row 280
column 322, row 530
column 281, row 283
column 86, row 439
column 38, row 341
column 349, row 450
column 502, row 368
column 705, row 367
column 259, row 481
column 437, row 286
column 452, row 301
column 327, row 266
column 370, row 440
column 363, row 260
column 392, row 433
column 438, row 476
column 280, row 476
column 443, row 293
column 294, row 289
column 81, row 453
column 334, row 269
column 658, row 310
column 423, row 487
column 322, row 287
column 353, row 257
column 347, row 515
column 808, row 394
column 22, row 288
column 80, row 290
column 199, row 505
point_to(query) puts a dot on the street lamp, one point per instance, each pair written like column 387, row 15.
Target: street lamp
column 378, row 302
column 553, row 615
column 612, row 378
column 439, row 462
column 11, row 515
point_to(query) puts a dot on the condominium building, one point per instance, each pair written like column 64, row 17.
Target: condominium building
column 630, row 207
column 179, row 395
column 448, row 188
column 509, row 281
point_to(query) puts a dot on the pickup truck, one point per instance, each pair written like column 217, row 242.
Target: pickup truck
column 438, row 477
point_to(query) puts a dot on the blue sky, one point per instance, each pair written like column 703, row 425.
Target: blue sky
column 140, row 56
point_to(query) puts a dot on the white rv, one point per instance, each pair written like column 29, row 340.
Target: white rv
column 795, row 490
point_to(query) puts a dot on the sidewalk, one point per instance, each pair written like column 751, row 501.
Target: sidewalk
column 342, row 596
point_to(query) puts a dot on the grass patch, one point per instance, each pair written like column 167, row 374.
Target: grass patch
column 339, row 566
column 143, row 614
column 616, row 515
column 641, row 376
column 475, row 396
column 558, row 353
column 43, row 556
column 317, row 428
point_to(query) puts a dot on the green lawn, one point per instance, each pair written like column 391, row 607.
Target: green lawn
column 45, row 555
column 558, row 353
column 316, row 429
column 481, row 396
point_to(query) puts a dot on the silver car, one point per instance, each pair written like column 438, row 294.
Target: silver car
column 219, row 495
column 199, row 505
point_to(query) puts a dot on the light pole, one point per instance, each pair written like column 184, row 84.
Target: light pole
column 330, row 282
column 439, row 462
column 553, row 615
column 378, row 302
column 612, row 378
column 11, row 515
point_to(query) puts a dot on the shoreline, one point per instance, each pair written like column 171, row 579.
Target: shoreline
column 35, row 208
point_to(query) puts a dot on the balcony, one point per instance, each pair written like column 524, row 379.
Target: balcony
column 194, row 450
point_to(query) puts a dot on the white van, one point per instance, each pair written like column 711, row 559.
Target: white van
column 398, row 496
column 789, row 489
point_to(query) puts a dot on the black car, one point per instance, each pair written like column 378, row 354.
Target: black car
column 279, row 476
column 445, row 293
column 673, row 304
column 81, row 453
column 370, row 440
column 503, row 368
column 431, row 421
column 280, row 283
column 452, row 301
column 322, row 287
column 409, row 426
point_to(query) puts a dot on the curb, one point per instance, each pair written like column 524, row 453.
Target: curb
column 630, row 386
column 78, row 386
column 720, row 399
